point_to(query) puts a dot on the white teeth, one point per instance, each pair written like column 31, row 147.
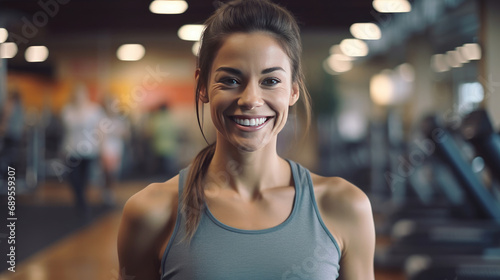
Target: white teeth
column 250, row 122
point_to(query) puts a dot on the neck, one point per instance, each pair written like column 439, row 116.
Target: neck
column 248, row 173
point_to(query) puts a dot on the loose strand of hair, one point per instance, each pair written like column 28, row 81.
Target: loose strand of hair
column 193, row 197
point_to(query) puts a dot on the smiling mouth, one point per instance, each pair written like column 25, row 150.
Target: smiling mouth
column 250, row 122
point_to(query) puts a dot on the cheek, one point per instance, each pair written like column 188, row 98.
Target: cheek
column 218, row 106
column 220, row 101
column 279, row 100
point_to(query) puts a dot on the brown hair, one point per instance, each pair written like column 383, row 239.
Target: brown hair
column 237, row 16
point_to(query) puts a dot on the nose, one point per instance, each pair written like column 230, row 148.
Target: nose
column 250, row 97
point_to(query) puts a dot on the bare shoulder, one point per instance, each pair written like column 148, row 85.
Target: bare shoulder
column 154, row 200
column 344, row 208
column 147, row 222
column 335, row 193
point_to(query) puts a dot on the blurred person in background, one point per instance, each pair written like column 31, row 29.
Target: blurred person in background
column 12, row 126
column 165, row 138
column 112, row 150
column 240, row 211
column 82, row 143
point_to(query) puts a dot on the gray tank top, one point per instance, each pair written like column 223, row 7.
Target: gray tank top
column 299, row 248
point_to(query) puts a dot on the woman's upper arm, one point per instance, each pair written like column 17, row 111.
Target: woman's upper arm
column 140, row 237
column 347, row 213
column 359, row 239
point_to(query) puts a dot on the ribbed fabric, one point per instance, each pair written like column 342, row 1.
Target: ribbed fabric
column 299, row 248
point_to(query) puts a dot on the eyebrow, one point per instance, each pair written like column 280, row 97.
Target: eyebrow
column 229, row 70
column 272, row 69
column 238, row 72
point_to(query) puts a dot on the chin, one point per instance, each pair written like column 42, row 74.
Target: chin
column 246, row 147
column 249, row 146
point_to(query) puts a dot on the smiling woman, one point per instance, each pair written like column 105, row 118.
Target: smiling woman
column 240, row 211
column 251, row 84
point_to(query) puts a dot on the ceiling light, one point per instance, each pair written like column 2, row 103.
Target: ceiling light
column 337, row 65
column 36, row 53
column 335, row 49
column 472, row 51
column 336, row 52
column 438, row 63
column 168, row 7
column 342, row 57
column 191, row 32
column 196, row 48
column 453, row 59
column 3, row 35
column 130, row 52
column 365, row 31
column 391, row 6
column 462, row 52
column 328, row 69
column 354, row 47
column 8, row 50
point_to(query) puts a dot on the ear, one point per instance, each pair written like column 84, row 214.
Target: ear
column 203, row 92
column 294, row 96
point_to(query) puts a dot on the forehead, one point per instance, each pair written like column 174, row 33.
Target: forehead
column 252, row 51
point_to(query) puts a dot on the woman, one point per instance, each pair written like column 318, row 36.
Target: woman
column 240, row 211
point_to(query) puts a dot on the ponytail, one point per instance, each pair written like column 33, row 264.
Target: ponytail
column 193, row 196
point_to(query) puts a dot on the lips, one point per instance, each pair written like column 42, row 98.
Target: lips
column 250, row 121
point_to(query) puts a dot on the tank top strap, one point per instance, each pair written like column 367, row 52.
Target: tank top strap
column 178, row 223
column 302, row 183
column 182, row 180
column 307, row 200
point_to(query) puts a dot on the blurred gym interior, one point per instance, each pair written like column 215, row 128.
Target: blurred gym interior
column 405, row 102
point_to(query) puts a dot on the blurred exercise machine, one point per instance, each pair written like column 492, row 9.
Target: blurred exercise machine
column 484, row 264
column 463, row 236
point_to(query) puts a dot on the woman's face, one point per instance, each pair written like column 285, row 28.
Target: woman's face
column 249, row 90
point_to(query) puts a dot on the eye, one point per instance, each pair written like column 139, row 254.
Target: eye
column 229, row 81
column 271, row 81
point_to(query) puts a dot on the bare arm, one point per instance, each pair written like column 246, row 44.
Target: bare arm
column 347, row 213
column 144, row 227
column 359, row 242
